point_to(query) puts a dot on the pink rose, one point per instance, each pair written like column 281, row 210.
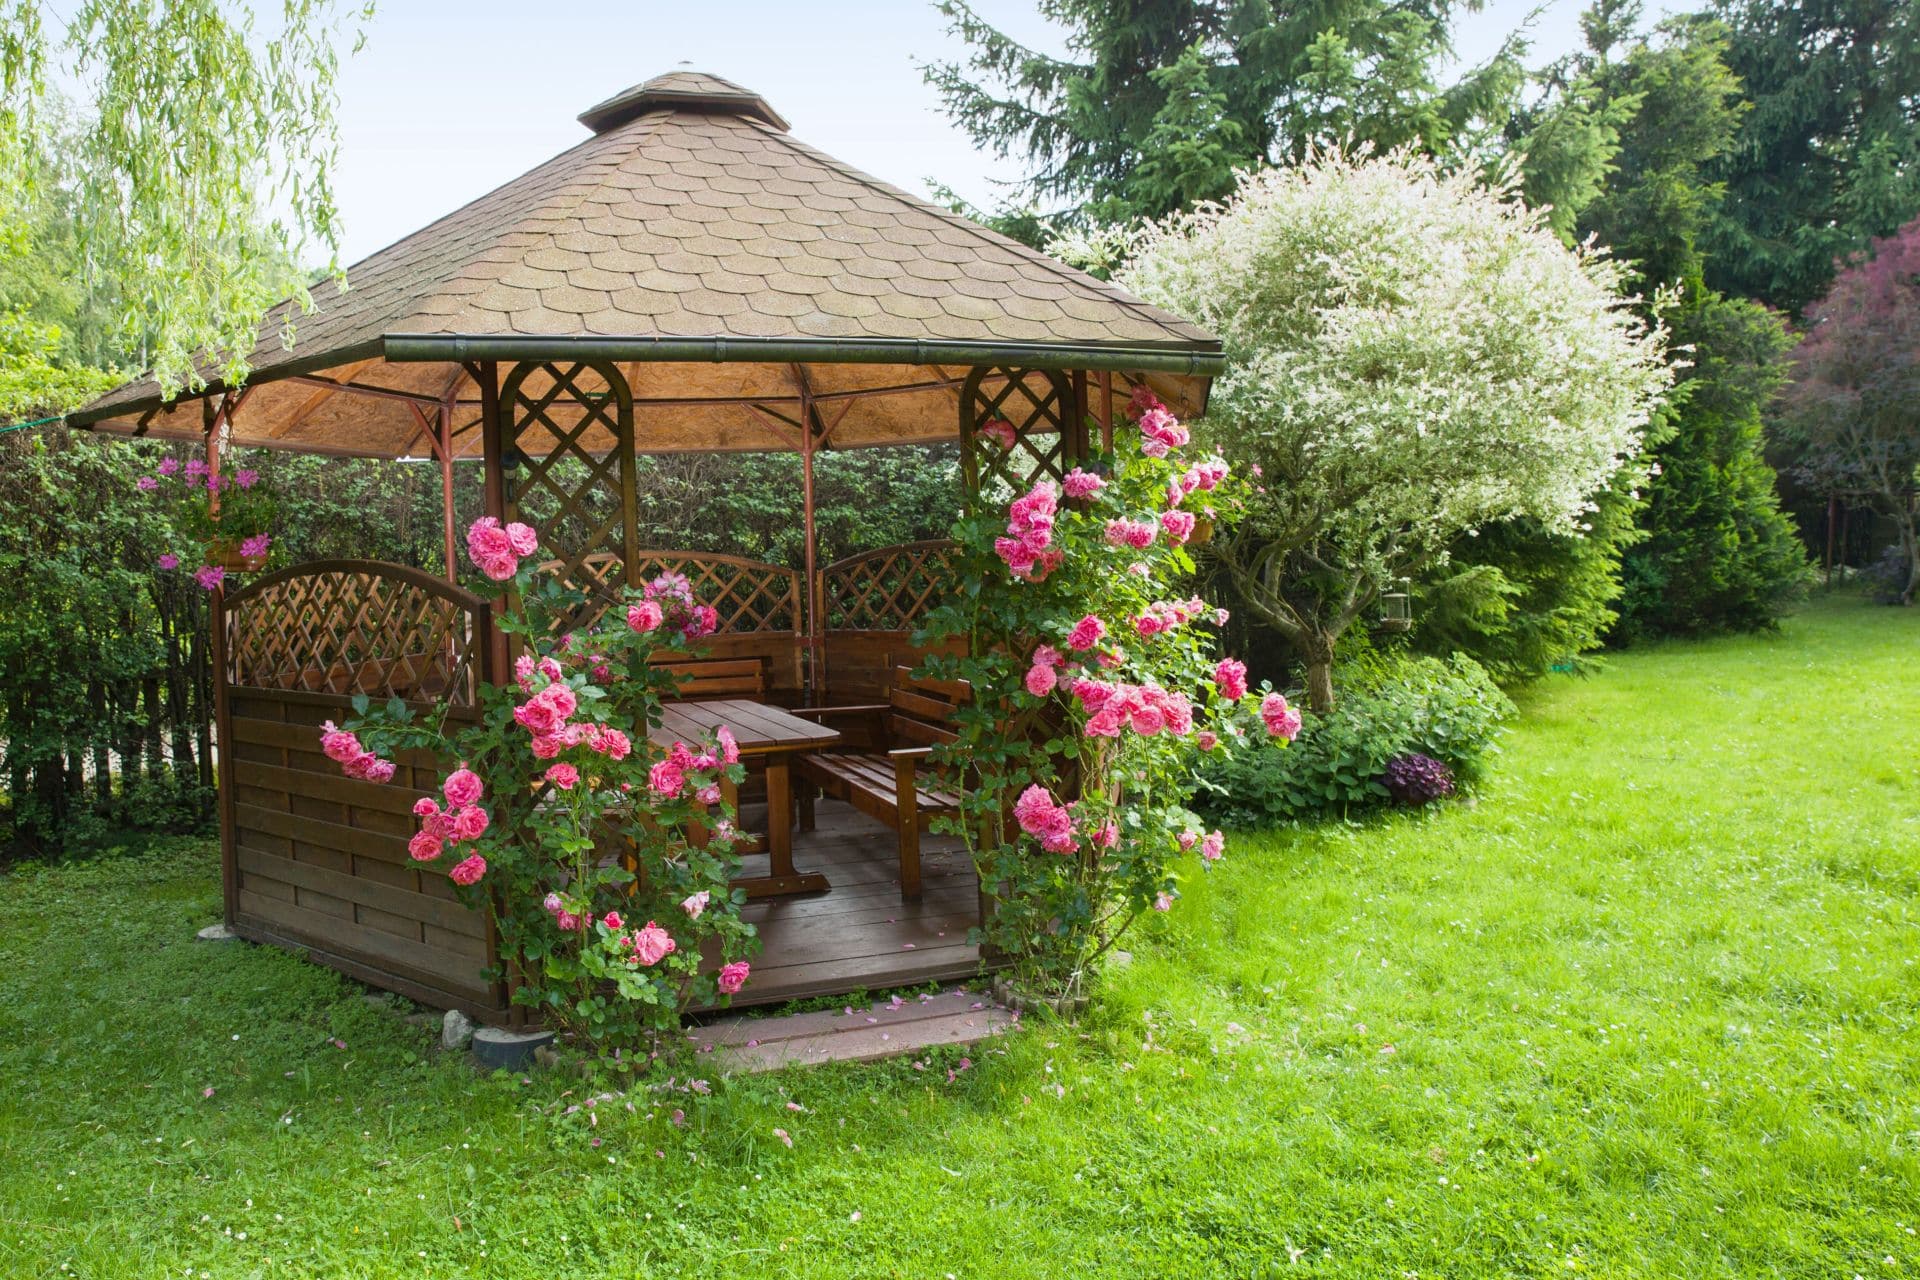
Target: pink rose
column 1282, row 721
column 424, row 847
column 708, row 795
column 1179, row 526
column 1163, row 902
column 645, row 616
column 1230, row 677
column 733, row 976
column 522, row 540
column 462, row 788
column 378, row 770
column 729, row 749
column 338, row 745
column 486, row 538
column 694, row 904
column 1086, row 633
column 470, row 823
column 1040, row 681
column 613, row 921
column 613, row 744
column 468, row 872
column 498, row 568
column 666, row 778
column 652, row 944
column 1207, row 739
column 1212, row 846
column 563, row 776
column 1000, row 431
column 1047, row 656
column 1082, row 484
column 425, row 807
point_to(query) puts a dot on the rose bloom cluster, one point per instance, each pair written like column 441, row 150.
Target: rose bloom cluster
column 1028, row 547
column 547, row 715
column 344, row 749
column 458, row 825
column 497, row 549
column 646, row 946
column 679, row 772
column 669, row 604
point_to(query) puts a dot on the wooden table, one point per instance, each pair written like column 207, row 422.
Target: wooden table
column 773, row 737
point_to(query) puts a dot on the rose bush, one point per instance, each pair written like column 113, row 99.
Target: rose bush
column 1095, row 688
column 605, row 860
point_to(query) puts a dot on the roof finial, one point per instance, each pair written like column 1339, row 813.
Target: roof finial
column 681, row 91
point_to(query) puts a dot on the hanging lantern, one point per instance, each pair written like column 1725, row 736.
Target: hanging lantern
column 1396, row 607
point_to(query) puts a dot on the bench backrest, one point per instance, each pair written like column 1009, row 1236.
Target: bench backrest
column 920, row 712
column 716, row 679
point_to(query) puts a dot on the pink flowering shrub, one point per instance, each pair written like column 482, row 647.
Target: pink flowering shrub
column 1097, row 686
column 226, row 509
column 605, row 860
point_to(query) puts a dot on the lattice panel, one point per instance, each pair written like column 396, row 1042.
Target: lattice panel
column 750, row 596
column 356, row 627
column 891, row 589
column 1048, row 441
column 567, row 444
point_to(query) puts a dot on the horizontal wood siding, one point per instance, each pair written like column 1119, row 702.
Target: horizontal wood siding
column 322, row 858
column 860, row 664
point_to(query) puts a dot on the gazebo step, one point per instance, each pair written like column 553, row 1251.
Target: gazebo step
column 886, row 1029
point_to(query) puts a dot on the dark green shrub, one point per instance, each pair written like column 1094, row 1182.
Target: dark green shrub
column 1387, row 706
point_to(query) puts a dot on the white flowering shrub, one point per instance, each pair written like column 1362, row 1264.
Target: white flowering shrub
column 1412, row 355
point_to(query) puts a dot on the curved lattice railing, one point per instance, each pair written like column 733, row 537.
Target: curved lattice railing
column 356, row 626
column 751, row 596
column 888, row 589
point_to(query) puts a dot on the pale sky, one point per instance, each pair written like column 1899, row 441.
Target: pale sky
column 448, row 101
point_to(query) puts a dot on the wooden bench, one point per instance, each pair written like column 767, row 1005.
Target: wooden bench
column 719, row 679
column 884, row 775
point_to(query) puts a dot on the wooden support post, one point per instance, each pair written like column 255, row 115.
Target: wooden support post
column 222, row 714
column 810, row 424
column 1106, row 411
column 493, row 455
column 1833, row 501
column 443, row 450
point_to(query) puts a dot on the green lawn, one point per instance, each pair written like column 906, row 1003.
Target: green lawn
column 1646, row 1008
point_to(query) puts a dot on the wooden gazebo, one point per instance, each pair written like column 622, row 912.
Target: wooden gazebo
column 688, row 278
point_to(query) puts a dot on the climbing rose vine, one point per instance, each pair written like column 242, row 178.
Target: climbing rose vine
column 1095, row 684
column 605, row 860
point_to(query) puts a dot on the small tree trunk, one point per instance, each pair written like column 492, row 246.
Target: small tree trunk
column 1318, row 649
column 1910, row 546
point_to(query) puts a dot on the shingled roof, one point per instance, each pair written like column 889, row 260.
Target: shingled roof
column 696, row 242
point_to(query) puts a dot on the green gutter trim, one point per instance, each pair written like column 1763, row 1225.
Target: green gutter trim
column 1198, row 361
column 315, row 363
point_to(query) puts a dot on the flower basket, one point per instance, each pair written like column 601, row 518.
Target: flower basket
column 226, row 553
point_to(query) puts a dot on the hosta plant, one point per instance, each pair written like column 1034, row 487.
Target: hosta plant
column 604, row 859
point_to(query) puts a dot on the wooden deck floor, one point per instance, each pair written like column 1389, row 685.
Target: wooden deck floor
column 860, row 934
